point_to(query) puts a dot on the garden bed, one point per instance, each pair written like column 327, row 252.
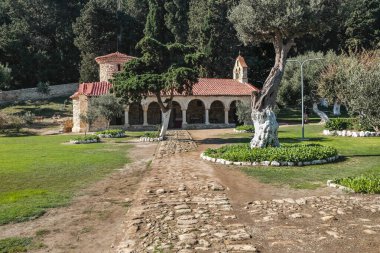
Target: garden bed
column 151, row 137
column 245, row 129
column 348, row 127
column 113, row 133
column 287, row 155
column 361, row 184
column 85, row 140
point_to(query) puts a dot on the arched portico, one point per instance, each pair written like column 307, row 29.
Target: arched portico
column 176, row 116
column 232, row 116
column 196, row 112
column 216, row 113
column 154, row 114
column 136, row 114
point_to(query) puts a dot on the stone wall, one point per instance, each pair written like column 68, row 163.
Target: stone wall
column 32, row 94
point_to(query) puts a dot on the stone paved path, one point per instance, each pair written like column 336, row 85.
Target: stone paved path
column 181, row 207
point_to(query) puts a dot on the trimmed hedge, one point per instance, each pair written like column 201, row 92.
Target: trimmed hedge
column 246, row 128
column 111, row 133
column 361, row 184
column 151, row 134
column 285, row 153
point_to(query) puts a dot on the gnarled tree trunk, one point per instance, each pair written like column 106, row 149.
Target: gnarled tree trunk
column 336, row 109
column 165, row 122
column 322, row 115
column 263, row 102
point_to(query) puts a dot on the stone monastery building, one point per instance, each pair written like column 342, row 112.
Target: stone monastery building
column 211, row 105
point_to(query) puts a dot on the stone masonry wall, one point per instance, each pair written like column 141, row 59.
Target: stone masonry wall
column 32, row 94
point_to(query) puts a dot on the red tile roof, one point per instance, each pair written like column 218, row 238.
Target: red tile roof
column 222, row 87
column 204, row 87
column 242, row 61
column 117, row 56
column 93, row 89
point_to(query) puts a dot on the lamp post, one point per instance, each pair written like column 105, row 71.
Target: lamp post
column 302, row 90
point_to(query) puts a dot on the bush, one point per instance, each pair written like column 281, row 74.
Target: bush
column 67, row 126
column 151, row 134
column 111, row 133
column 28, row 117
column 361, row 184
column 85, row 139
column 339, row 124
column 246, row 128
column 285, row 153
column 11, row 122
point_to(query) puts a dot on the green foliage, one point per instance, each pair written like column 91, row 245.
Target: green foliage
column 244, row 111
column 43, row 88
column 37, row 41
column 86, row 139
column 5, row 77
column 361, row 184
column 285, row 153
column 246, row 128
column 151, row 134
column 28, row 117
column 340, row 124
column 111, row 133
column 15, row 244
column 354, row 80
column 176, row 19
column 107, row 106
column 11, row 122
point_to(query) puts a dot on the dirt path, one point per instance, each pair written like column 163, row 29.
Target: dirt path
column 93, row 222
column 186, row 204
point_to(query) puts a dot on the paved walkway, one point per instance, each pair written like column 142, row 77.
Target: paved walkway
column 182, row 207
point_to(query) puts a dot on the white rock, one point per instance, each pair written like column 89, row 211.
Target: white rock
column 275, row 163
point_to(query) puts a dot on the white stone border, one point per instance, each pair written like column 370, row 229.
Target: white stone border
column 242, row 131
column 330, row 183
column 268, row 163
column 350, row 133
column 148, row 139
column 84, row 142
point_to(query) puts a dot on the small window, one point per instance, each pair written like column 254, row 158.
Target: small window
column 118, row 67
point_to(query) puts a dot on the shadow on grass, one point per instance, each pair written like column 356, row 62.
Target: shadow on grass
column 298, row 140
column 13, row 133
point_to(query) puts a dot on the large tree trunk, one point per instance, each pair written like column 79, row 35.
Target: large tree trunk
column 266, row 128
column 336, row 110
column 264, row 101
column 165, row 122
column 322, row 115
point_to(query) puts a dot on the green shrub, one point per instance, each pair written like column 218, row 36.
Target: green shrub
column 111, row 133
column 340, row 124
column 246, row 128
column 151, row 134
column 28, row 117
column 11, row 122
column 85, row 139
column 285, row 153
column 361, row 184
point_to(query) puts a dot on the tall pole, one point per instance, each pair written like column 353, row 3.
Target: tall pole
column 302, row 91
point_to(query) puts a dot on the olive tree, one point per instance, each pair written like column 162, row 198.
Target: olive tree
column 106, row 106
column 278, row 22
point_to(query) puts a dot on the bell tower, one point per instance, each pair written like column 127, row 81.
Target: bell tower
column 110, row 64
column 240, row 71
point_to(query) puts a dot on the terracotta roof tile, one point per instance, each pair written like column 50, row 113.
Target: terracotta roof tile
column 117, row 56
column 93, row 89
column 242, row 61
column 204, row 87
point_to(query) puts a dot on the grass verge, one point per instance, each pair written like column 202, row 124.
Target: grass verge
column 41, row 172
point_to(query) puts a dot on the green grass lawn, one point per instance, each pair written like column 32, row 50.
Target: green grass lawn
column 40, row 172
column 361, row 156
column 294, row 116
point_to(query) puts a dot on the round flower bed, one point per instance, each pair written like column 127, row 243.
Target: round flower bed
column 85, row 140
column 113, row 133
column 344, row 127
column 286, row 155
column 245, row 129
